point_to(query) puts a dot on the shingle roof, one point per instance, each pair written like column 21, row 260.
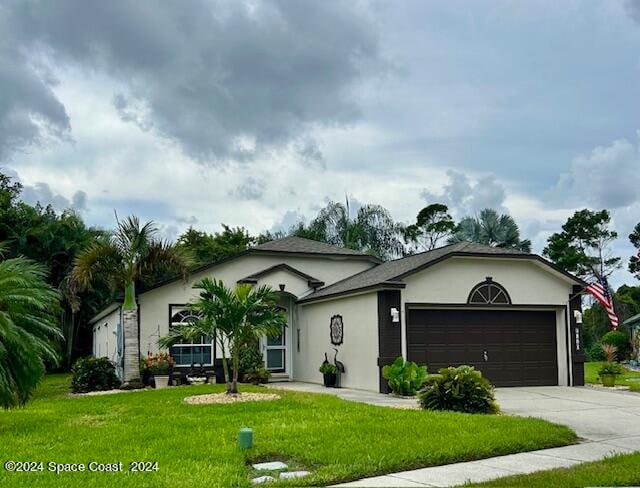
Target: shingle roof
column 294, row 244
column 391, row 273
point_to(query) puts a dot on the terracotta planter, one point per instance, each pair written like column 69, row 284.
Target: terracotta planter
column 608, row 380
column 161, row 380
column 330, row 379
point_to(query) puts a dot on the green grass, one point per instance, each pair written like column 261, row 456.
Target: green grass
column 621, row 470
column 629, row 378
column 195, row 445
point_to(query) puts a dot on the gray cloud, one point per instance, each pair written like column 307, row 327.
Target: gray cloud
column 633, row 9
column 30, row 113
column 131, row 113
column 250, row 189
column 223, row 78
column 607, row 177
column 310, row 153
column 288, row 220
column 464, row 197
column 192, row 220
column 42, row 193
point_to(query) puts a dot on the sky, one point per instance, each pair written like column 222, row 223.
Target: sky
column 257, row 113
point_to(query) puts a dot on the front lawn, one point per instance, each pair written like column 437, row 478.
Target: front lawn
column 629, row 378
column 620, row 470
column 195, row 445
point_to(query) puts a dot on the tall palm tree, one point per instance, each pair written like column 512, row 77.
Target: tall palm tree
column 232, row 317
column 133, row 253
column 28, row 328
column 491, row 229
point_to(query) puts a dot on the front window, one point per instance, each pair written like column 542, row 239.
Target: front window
column 187, row 353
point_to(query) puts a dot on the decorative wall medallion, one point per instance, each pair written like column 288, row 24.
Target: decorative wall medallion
column 336, row 330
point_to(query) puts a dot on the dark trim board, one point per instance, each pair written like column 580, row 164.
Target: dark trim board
column 378, row 286
column 574, row 337
column 389, row 333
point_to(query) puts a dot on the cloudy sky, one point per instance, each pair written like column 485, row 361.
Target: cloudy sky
column 255, row 113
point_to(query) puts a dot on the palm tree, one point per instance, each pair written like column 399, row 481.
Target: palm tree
column 491, row 229
column 232, row 317
column 28, row 328
column 132, row 254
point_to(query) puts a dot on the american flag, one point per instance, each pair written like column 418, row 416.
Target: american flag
column 600, row 290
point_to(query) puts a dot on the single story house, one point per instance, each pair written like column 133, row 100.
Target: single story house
column 509, row 314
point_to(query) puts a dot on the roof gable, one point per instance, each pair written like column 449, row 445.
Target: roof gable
column 253, row 278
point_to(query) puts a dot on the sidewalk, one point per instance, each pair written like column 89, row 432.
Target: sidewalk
column 498, row 467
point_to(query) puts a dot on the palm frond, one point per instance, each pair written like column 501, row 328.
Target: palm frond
column 28, row 328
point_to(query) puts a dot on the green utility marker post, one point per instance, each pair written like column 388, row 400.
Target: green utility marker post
column 245, row 438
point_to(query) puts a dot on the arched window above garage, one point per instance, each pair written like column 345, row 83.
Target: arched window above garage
column 489, row 293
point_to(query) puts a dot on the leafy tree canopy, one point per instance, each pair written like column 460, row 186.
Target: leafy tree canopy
column 372, row 230
column 583, row 246
column 207, row 248
column 634, row 262
column 433, row 224
column 52, row 239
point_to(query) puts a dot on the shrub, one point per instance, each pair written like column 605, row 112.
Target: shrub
column 250, row 358
column 461, row 389
column 93, row 374
column 618, row 339
column 404, row 377
column 594, row 352
column 257, row 376
column 159, row 364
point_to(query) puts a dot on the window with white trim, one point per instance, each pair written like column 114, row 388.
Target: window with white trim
column 188, row 353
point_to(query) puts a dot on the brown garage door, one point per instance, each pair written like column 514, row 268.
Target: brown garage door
column 511, row 348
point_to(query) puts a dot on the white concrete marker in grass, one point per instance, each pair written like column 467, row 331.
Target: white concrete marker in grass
column 262, row 479
column 270, row 466
column 294, row 474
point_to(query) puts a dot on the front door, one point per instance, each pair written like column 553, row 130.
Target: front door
column 275, row 352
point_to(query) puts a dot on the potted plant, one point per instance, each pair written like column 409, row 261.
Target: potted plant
column 329, row 374
column 608, row 373
column 159, row 366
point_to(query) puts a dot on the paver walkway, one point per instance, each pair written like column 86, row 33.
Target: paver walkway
column 607, row 421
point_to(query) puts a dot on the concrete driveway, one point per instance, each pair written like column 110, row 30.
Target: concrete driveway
column 594, row 415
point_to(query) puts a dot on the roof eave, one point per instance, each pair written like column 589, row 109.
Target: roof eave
column 385, row 285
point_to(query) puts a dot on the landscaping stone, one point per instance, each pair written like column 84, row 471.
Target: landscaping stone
column 270, row 466
column 294, row 474
column 262, row 479
column 224, row 398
